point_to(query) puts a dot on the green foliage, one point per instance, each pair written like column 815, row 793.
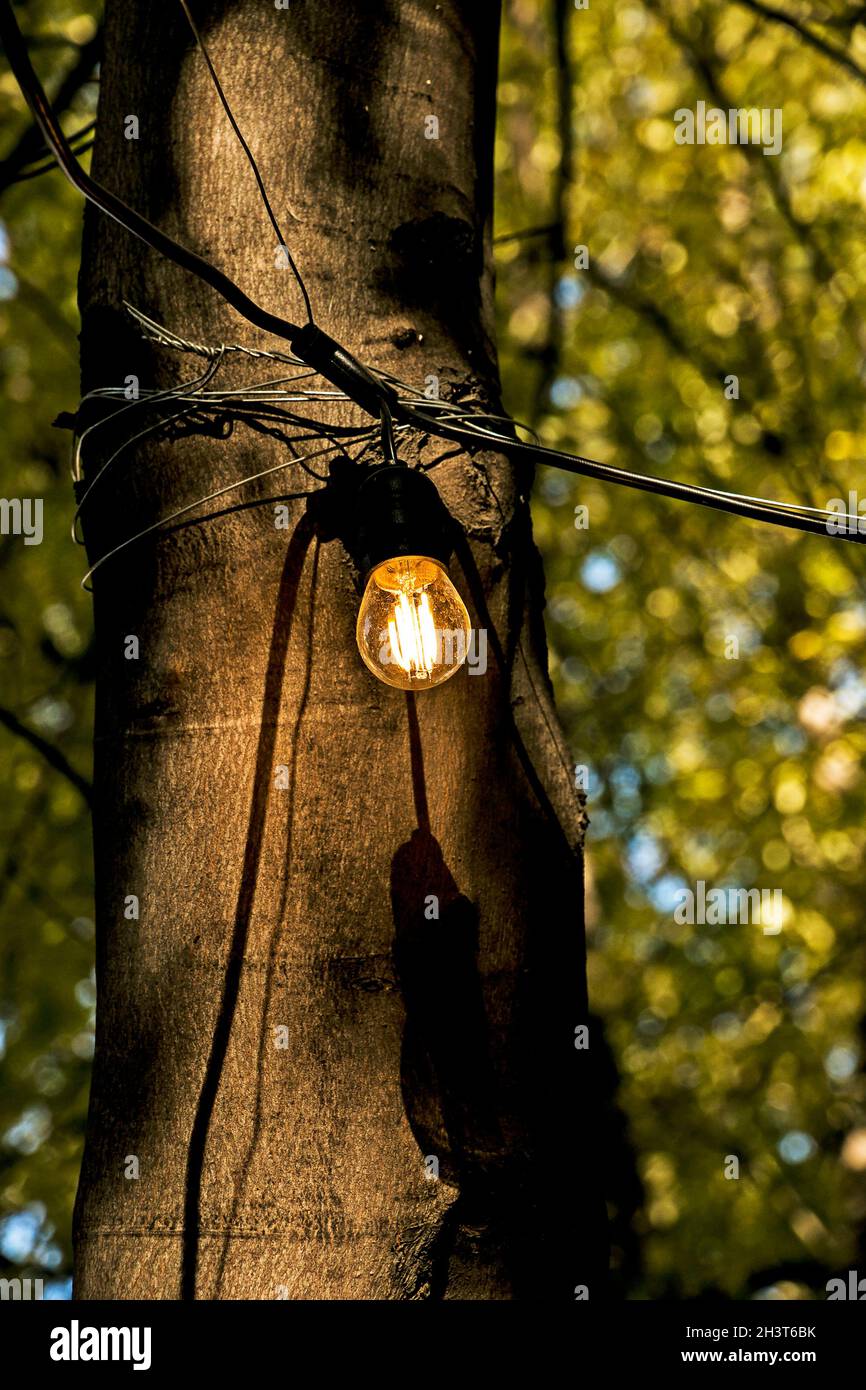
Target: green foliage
column 46, row 949
column 706, row 261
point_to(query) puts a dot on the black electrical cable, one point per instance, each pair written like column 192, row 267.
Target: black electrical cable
column 325, row 352
column 389, row 447
column 644, row 482
column 316, row 348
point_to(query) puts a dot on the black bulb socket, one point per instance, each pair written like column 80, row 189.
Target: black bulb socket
column 399, row 512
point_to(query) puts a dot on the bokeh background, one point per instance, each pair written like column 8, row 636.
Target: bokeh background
column 704, row 262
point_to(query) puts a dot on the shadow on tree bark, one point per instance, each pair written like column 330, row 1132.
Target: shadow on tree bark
column 505, row 1134
column 283, row 618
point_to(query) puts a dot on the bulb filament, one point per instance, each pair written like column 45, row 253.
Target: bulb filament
column 412, row 634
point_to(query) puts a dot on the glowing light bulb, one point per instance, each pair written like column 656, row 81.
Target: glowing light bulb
column 413, row 628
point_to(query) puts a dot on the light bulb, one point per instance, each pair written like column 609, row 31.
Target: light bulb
column 413, row 628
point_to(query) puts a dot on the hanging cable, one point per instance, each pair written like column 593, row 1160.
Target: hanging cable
column 389, row 448
column 373, row 391
column 756, row 509
column 210, row 497
column 472, row 430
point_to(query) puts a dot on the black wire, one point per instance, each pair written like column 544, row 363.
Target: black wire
column 389, row 447
column 250, row 158
column 19, row 62
column 755, row 510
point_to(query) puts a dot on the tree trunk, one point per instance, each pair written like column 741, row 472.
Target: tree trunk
column 297, row 899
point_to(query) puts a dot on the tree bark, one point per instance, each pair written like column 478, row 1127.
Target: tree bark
column 304, row 1172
